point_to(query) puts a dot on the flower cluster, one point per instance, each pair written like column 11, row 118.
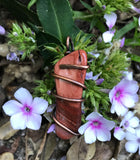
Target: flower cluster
column 124, row 96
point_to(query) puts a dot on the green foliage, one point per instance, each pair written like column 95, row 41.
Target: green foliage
column 128, row 27
column 56, row 18
column 44, row 89
column 84, row 41
column 23, row 38
column 110, row 67
column 119, row 5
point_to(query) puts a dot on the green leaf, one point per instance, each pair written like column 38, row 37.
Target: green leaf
column 56, row 18
column 31, row 3
column 124, row 30
column 86, row 5
column 46, row 39
column 21, row 13
column 134, row 57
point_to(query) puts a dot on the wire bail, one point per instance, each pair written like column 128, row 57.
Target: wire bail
column 69, row 45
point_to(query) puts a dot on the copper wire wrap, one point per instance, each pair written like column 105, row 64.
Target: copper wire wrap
column 68, row 66
column 68, row 109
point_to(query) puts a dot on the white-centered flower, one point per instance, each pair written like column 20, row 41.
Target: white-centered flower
column 123, row 96
column 97, row 127
column 26, row 111
column 130, row 122
column 133, row 143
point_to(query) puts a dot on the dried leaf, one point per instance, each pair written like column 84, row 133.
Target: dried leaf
column 81, row 151
column 104, row 150
column 6, row 131
column 7, row 156
column 4, row 50
column 49, row 147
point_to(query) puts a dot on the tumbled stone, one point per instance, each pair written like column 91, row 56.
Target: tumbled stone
column 69, row 113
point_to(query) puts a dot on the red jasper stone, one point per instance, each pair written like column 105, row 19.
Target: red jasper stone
column 69, row 113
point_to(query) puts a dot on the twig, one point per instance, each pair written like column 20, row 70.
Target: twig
column 26, row 145
column 42, row 145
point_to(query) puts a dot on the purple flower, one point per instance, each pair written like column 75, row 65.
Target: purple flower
column 110, row 19
column 104, row 7
column 108, row 35
column 99, row 81
column 51, row 128
column 123, row 96
column 133, row 143
column 134, row 8
column 136, row 1
column 2, row 30
column 89, row 76
column 122, row 42
column 26, row 111
column 130, row 122
column 15, row 34
column 97, row 127
column 12, row 57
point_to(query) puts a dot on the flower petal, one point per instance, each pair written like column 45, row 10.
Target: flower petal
column 119, row 133
column 51, row 128
column 131, row 146
column 107, row 36
column 134, row 122
column 89, row 75
column 110, row 19
column 119, row 108
column 11, row 107
column 103, row 135
column 2, row 30
column 90, row 135
column 138, row 132
column 24, row 96
column 130, row 136
column 130, row 129
column 112, row 94
column 108, row 124
column 128, row 100
column 129, row 86
column 83, row 128
column 18, row 121
column 39, row 105
column 34, row 121
column 93, row 115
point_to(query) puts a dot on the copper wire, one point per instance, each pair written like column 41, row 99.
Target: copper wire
column 64, row 127
column 72, row 66
column 69, row 80
column 69, row 99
